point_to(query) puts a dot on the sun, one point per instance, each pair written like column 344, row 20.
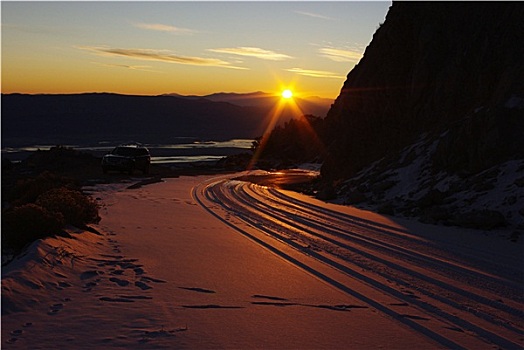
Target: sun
column 287, row 93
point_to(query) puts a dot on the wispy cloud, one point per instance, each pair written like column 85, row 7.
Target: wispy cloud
column 314, row 15
column 315, row 73
column 253, row 52
column 340, row 55
column 164, row 28
column 158, row 55
column 126, row 66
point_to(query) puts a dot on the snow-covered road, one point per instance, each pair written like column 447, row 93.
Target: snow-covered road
column 460, row 291
column 214, row 262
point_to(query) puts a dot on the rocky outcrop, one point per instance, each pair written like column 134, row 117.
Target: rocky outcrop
column 409, row 184
column 434, row 67
column 430, row 123
column 482, row 139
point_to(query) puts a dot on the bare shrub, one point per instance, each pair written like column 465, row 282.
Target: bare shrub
column 76, row 208
column 29, row 222
column 28, row 190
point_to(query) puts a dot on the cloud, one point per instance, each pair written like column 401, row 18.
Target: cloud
column 340, row 55
column 164, row 28
column 253, row 52
column 126, row 66
column 314, row 15
column 315, row 73
column 158, row 55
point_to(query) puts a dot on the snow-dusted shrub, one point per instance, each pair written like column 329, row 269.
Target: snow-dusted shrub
column 27, row 223
column 28, row 190
column 76, row 208
column 46, row 217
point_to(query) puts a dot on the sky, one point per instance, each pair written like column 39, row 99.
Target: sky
column 190, row 48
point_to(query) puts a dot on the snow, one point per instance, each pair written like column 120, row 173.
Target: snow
column 204, row 262
column 515, row 102
column 411, row 177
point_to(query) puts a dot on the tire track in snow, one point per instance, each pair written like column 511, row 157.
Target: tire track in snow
column 331, row 230
column 439, row 289
column 285, row 220
column 509, row 271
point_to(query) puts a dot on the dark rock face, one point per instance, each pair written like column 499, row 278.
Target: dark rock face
column 481, row 140
column 434, row 67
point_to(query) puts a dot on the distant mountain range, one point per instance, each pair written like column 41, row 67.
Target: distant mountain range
column 308, row 105
column 93, row 117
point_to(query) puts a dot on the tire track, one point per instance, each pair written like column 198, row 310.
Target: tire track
column 303, row 227
column 394, row 266
column 368, row 246
column 509, row 269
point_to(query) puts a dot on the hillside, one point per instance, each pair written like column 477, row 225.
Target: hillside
column 309, row 105
column 94, row 117
column 431, row 120
column 79, row 118
column 431, row 65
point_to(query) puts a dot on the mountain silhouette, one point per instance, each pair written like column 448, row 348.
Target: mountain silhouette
column 314, row 105
column 92, row 117
column 432, row 68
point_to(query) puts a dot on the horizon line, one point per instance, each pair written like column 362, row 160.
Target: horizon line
column 173, row 94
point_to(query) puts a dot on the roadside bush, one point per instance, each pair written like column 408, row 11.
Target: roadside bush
column 28, row 190
column 46, row 217
column 76, row 208
column 27, row 223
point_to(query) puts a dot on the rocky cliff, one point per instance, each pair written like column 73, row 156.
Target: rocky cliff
column 430, row 67
column 430, row 123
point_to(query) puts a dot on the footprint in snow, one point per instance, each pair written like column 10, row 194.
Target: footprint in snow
column 58, row 274
column 112, row 256
column 199, row 290
column 120, row 282
column 54, row 309
column 17, row 332
column 89, row 285
column 117, row 300
column 154, row 280
column 142, row 285
column 139, row 271
column 90, row 274
column 14, row 339
column 61, row 285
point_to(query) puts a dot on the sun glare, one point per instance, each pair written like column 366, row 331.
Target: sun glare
column 287, row 93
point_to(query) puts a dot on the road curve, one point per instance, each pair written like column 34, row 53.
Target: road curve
column 459, row 297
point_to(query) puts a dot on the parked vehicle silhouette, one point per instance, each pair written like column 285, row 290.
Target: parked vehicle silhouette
column 127, row 158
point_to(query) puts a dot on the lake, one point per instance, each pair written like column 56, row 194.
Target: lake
column 181, row 150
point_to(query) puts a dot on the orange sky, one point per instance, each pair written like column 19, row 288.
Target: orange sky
column 199, row 48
